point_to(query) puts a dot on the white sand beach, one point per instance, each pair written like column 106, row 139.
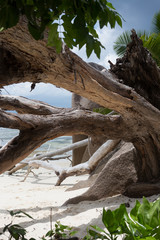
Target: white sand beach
column 38, row 195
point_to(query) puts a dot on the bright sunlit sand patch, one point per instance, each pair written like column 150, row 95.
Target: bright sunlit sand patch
column 37, row 196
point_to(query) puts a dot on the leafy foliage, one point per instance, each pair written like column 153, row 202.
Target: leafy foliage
column 102, row 110
column 60, row 232
column 75, row 20
column 143, row 222
column 16, row 231
column 156, row 23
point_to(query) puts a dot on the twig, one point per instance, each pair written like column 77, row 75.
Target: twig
column 51, row 221
column 28, row 172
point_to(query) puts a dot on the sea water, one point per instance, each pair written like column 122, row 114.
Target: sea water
column 58, row 143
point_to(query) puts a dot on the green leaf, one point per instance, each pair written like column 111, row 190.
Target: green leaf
column 35, row 31
column 13, row 16
column 112, row 19
column 72, row 233
column 121, row 43
column 96, row 235
column 49, row 233
column 98, row 228
column 119, row 20
column 97, row 48
column 30, row 2
column 9, row 16
column 89, row 45
column 150, row 213
column 134, row 211
column 16, row 213
column 6, row 227
column 53, row 37
column 102, row 110
column 156, row 23
column 16, row 231
column 110, row 5
column 108, row 219
column 121, row 213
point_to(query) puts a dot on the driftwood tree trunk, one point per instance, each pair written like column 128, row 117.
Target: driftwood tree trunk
column 131, row 88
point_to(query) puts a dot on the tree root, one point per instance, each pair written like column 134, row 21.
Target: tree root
column 138, row 190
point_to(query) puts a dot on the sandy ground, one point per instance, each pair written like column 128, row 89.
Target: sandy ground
column 38, row 195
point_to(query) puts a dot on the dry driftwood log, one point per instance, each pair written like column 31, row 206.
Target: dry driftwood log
column 49, row 156
column 131, row 88
column 82, row 168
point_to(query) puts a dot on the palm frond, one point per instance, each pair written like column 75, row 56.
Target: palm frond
column 121, row 43
column 156, row 23
column 153, row 45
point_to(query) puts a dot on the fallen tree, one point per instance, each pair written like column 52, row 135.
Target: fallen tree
column 131, row 88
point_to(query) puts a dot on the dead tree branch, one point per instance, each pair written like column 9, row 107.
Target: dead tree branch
column 82, row 168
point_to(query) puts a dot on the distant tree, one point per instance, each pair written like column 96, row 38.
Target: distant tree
column 150, row 40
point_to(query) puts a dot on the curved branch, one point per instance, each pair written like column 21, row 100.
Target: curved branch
column 76, row 121
column 25, row 105
column 36, row 130
column 11, row 120
column 25, row 59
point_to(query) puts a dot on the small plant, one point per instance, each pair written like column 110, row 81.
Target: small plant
column 19, row 233
column 16, row 231
column 143, row 222
column 60, row 232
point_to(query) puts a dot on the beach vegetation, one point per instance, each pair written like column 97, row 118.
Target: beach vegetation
column 150, row 40
column 17, row 232
column 142, row 222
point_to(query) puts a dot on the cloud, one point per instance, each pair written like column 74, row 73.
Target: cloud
column 107, row 37
column 44, row 92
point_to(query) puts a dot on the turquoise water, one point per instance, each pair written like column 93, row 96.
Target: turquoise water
column 58, row 143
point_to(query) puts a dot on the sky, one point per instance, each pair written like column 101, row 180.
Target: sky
column 138, row 14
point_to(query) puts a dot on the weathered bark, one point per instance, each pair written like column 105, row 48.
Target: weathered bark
column 51, row 154
column 137, row 103
column 78, row 153
column 35, row 130
column 134, row 70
